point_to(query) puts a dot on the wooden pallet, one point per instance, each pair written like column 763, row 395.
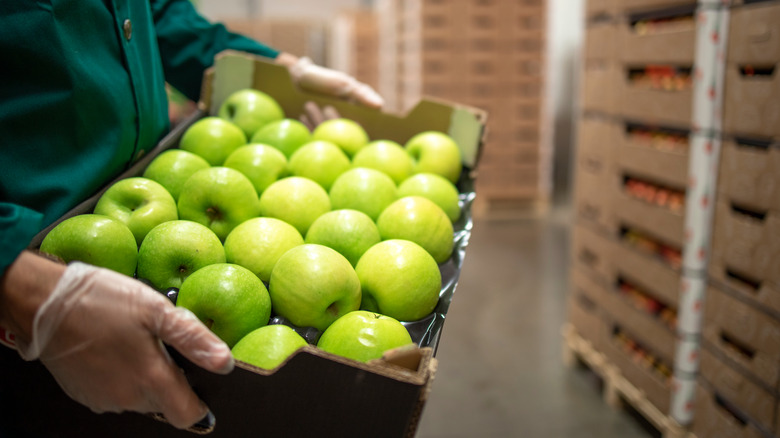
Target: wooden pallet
column 617, row 390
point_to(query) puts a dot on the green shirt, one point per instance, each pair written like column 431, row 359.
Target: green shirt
column 82, row 95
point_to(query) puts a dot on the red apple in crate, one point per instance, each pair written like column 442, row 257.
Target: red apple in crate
column 95, row 239
column 363, row 336
column 213, row 139
column 250, row 110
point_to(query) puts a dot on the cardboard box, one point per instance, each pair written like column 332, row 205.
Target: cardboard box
column 666, row 224
column 745, row 335
column 653, row 106
column 740, row 390
column 652, row 159
column 598, row 140
column 599, row 92
column 591, row 254
column 584, row 307
column 637, row 6
column 656, row 388
column 712, row 419
column 754, row 34
column 671, row 43
column 335, row 396
column 746, row 254
column 520, row 181
column 598, row 9
column 751, row 103
column 749, row 174
column 601, row 41
column 593, row 196
column 650, row 273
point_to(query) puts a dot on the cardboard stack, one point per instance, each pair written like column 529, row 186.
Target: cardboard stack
column 354, row 45
column 485, row 53
column 739, row 384
column 298, row 37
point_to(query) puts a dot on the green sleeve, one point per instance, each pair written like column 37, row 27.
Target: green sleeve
column 18, row 225
column 188, row 44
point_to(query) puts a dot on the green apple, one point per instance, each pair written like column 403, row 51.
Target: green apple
column 313, row 285
column 229, row 299
column 173, row 167
column 175, row 249
column 269, row 346
column 220, row 198
column 286, row 135
column 261, row 163
column 363, row 336
column 295, row 200
column 399, row 278
column 95, row 239
column 435, row 152
column 320, row 161
column 386, row 156
column 213, row 139
column 140, row 203
column 350, row 232
column 250, row 110
column 366, row 190
column 420, row 220
column 345, row 133
column 436, row 188
column 258, row 243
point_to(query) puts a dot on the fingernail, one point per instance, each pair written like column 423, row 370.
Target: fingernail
column 218, row 353
column 206, row 424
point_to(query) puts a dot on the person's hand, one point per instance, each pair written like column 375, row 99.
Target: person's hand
column 101, row 335
column 312, row 77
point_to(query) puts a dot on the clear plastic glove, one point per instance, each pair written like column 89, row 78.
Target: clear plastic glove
column 100, row 335
column 313, row 77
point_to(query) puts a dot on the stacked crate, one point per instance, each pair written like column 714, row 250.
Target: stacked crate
column 354, row 45
column 485, row 53
column 739, row 380
column 298, row 37
column 630, row 183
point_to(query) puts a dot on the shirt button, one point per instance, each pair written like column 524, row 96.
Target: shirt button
column 127, row 26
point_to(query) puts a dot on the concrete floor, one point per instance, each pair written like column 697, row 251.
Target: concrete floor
column 500, row 370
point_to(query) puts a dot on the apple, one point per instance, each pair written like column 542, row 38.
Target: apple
column 173, row 167
column 250, row 110
column 261, row 163
column 435, row 152
column 350, row 232
column 95, row 239
column 213, row 139
column 366, row 190
column 320, row 161
column 420, row 220
column 229, row 299
column 363, row 336
column 295, row 200
column 345, row 133
column 258, row 243
column 220, row 198
column 140, row 203
column 313, row 285
column 386, row 156
column 175, row 249
column 286, row 135
column 436, row 188
column 268, row 346
column 398, row 278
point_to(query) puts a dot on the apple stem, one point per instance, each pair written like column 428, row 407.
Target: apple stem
column 209, row 323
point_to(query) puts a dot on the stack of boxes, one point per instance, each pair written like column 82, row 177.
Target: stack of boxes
column 298, row 37
column 631, row 181
column 739, row 379
column 484, row 53
column 354, row 45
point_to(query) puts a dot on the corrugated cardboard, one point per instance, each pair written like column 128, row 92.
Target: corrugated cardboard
column 593, row 197
column 651, row 106
column 634, row 6
column 752, row 103
column 648, row 272
column 584, row 307
column 746, row 254
column 597, row 9
column 601, row 41
column 711, row 420
column 656, row 389
column 598, row 140
column 748, row 397
column 665, row 224
column 743, row 334
column 314, row 393
column 661, row 47
column 639, row 158
column 750, row 175
column 591, row 253
column 599, row 91
column 754, row 34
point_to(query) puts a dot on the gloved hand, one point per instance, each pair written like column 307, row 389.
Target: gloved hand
column 313, row 77
column 100, row 335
